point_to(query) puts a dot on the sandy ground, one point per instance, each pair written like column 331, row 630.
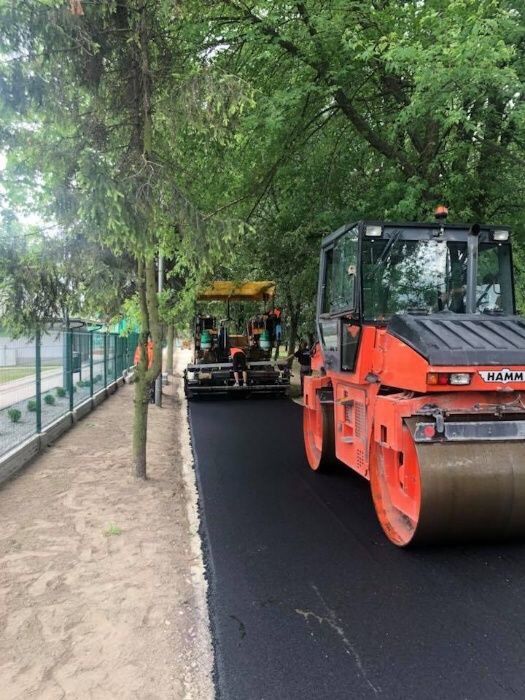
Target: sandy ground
column 102, row 591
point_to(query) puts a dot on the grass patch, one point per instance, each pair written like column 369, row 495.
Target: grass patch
column 10, row 374
column 112, row 530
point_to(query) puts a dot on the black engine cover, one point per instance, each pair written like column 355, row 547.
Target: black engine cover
column 461, row 339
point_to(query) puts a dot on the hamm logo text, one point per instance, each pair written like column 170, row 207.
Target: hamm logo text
column 503, row 375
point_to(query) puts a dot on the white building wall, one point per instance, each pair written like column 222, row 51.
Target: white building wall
column 21, row 351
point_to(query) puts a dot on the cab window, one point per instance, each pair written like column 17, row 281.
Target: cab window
column 494, row 283
column 340, row 274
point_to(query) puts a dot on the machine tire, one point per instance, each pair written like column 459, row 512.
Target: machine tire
column 189, row 395
column 319, row 437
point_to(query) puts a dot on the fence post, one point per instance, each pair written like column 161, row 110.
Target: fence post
column 80, row 347
column 105, row 360
column 65, row 360
column 91, row 364
column 69, row 354
column 38, row 387
column 115, row 358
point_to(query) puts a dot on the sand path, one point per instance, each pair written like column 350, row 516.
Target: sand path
column 86, row 612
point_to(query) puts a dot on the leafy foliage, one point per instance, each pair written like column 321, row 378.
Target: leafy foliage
column 377, row 110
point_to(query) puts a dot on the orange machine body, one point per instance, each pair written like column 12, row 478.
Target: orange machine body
column 363, row 416
column 427, row 402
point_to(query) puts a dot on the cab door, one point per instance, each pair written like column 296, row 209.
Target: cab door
column 337, row 301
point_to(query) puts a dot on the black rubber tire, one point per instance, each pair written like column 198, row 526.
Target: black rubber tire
column 326, row 461
column 329, row 460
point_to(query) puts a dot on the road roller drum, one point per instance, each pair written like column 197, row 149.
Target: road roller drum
column 460, row 492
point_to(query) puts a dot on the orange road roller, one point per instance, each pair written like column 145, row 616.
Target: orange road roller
column 418, row 379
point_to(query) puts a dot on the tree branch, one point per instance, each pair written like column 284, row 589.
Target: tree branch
column 363, row 128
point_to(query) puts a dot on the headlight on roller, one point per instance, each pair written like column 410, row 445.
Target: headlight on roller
column 460, row 378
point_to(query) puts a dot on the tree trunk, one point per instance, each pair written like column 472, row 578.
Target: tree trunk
column 169, row 358
column 140, row 428
column 150, row 326
column 155, row 329
column 146, row 278
column 141, row 399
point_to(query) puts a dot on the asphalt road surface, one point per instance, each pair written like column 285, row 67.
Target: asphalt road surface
column 309, row 600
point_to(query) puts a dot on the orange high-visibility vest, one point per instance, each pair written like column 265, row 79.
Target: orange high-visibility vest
column 149, row 351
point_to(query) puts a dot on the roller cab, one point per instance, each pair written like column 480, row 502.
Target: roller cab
column 419, row 377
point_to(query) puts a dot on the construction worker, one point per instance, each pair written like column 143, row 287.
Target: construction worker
column 303, row 356
column 278, row 331
column 149, row 355
column 270, row 324
column 239, row 365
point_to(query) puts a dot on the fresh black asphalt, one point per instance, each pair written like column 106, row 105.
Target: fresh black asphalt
column 309, row 600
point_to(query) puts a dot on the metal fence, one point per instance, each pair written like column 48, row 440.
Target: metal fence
column 44, row 378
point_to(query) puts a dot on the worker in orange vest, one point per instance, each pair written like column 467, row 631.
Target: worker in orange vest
column 239, row 365
column 149, row 355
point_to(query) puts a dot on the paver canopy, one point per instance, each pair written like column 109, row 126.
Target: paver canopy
column 224, row 290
